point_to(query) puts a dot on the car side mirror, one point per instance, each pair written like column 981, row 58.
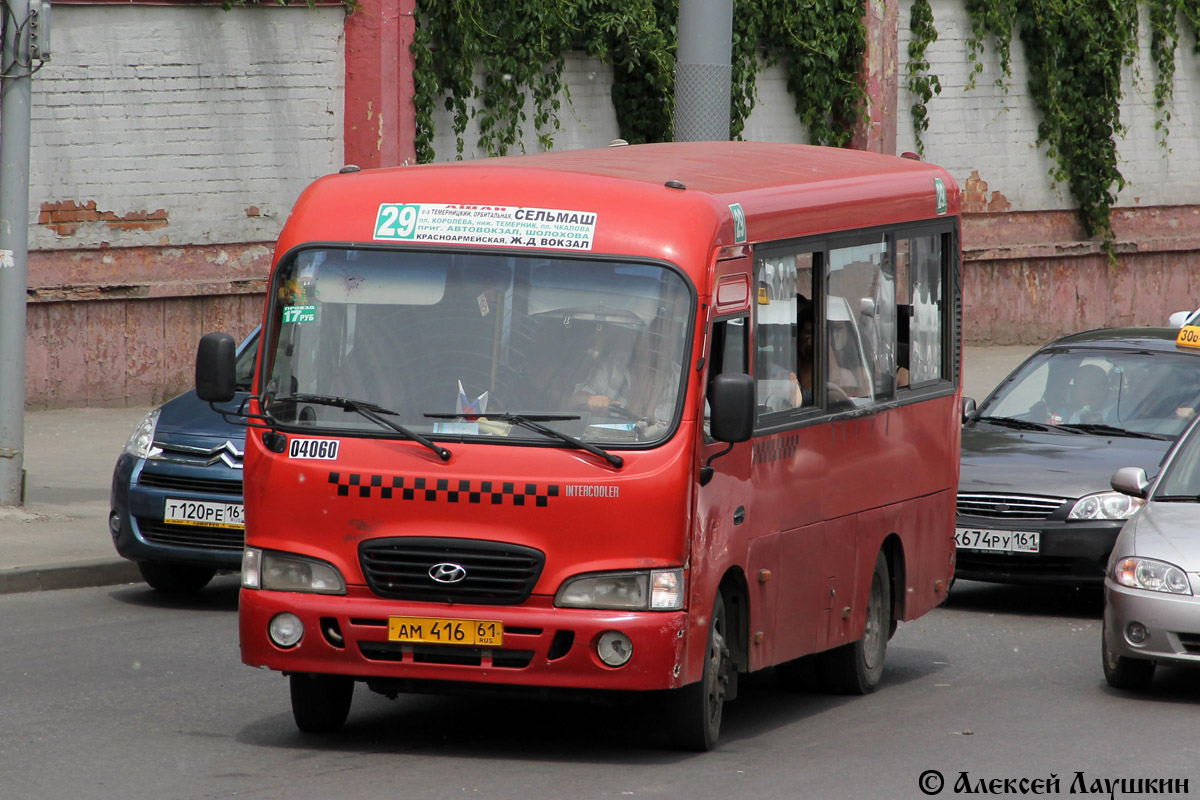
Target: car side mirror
column 866, row 307
column 1131, row 481
column 968, row 409
column 216, row 368
column 732, row 407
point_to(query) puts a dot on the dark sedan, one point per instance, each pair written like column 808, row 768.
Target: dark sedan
column 176, row 501
column 1034, row 500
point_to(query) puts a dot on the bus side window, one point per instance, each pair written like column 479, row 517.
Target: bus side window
column 783, row 354
column 727, row 353
column 926, row 364
column 860, row 355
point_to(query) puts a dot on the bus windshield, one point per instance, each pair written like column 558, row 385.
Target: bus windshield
column 454, row 345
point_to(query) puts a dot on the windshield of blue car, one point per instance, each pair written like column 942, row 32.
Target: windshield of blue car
column 452, row 343
column 1102, row 391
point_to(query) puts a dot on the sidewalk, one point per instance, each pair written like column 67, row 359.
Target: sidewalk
column 59, row 539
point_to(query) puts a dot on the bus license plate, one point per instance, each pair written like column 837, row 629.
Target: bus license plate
column 435, row 630
column 997, row 541
column 199, row 512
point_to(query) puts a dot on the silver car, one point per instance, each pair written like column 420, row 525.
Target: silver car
column 1151, row 607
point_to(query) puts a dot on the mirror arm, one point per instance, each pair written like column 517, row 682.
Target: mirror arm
column 707, row 471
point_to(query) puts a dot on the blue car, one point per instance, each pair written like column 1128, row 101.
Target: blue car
column 176, row 502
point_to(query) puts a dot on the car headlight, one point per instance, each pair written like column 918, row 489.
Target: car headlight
column 642, row 590
column 285, row 572
column 1105, row 505
column 1154, row 576
column 141, row 442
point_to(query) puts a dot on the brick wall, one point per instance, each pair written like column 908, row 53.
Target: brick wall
column 168, row 145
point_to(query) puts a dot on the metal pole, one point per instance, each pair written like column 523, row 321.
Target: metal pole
column 703, row 70
column 15, row 97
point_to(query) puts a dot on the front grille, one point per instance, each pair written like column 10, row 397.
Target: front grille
column 196, row 537
column 1190, row 642
column 457, row 656
column 1008, row 506
column 181, row 483
column 497, row 573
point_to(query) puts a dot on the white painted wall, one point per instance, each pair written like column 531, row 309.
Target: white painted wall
column 200, row 112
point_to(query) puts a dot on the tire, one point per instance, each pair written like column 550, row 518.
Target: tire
column 696, row 709
column 1123, row 672
column 856, row 668
column 320, row 703
column 175, row 578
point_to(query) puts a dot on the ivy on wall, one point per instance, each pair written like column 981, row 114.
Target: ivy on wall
column 1075, row 52
column 480, row 60
column 501, row 65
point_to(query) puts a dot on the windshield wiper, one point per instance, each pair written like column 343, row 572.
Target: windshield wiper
column 1100, row 427
column 371, row 412
column 1018, row 424
column 533, row 423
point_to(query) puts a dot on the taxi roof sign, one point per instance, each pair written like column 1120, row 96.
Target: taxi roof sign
column 1189, row 336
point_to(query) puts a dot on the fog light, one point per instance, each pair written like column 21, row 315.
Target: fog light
column 285, row 629
column 1136, row 632
column 614, row 648
column 114, row 523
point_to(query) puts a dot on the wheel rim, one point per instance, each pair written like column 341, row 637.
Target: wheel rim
column 717, row 677
column 873, row 635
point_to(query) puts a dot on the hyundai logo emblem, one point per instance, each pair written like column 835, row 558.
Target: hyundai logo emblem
column 447, row 573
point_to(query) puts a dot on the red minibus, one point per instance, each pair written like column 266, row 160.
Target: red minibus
column 638, row 419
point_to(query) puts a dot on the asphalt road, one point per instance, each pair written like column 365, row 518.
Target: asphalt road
column 117, row 692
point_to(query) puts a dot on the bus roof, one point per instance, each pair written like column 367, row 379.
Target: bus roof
column 670, row 201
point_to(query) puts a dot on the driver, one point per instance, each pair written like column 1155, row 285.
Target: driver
column 607, row 383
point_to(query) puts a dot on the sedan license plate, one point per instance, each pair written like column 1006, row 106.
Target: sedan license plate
column 435, row 630
column 997, row 541
column 200, row 512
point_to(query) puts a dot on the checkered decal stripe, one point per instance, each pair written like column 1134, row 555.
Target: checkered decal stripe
column 775, row 448
column 434, row 490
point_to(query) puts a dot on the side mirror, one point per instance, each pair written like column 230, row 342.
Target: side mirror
column 968, row 409
column 866, row 307
column 216, row 373
column 731, row 407
column 1177, row 319
column 1131, row 481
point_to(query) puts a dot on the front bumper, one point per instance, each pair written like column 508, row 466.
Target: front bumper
column 1172, row 622
column 543, row 646
column 136, row 511
column 1072, row 553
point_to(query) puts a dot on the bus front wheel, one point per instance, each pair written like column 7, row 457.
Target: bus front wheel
column 320, row 703
column 697, row 708
column 856, row 668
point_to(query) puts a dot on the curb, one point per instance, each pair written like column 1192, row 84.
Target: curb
column 72, row 576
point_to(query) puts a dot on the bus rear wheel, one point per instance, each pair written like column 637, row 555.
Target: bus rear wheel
column 856, row 668
column 696, row 709
column 320, row 703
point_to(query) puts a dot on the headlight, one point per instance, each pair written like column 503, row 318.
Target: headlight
column 654, row 590
column 1154, row 576
column 141, row 443
column 285, row 572
column 1106, row 505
